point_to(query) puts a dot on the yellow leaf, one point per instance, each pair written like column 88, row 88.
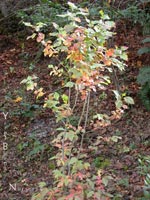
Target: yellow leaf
column 18, row 99
column 39, row 93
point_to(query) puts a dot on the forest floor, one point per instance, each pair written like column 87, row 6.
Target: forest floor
column 19, row 118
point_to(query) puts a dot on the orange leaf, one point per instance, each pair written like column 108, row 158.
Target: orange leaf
column 107, row 62
column 75, row 55
column 139, row 63
column 110, row 52
column 48, row 51
column 66, row 113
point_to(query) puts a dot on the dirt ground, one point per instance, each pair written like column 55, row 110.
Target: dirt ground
column 134, row 127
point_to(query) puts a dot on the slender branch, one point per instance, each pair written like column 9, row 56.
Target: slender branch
column 86, row 118
column 69, row 167
column 63, row 148
column 85, row 123
column 87, row 110
column 83, row 109
column 76, row 98
column 116, row 81
column 63, row 154
column 69, row 98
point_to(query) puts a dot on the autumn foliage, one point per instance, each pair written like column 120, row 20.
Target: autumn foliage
column 85, row 68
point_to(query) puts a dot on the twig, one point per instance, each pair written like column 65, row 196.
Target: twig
column 116, row 81
column 63, row 148
column 83, row 109
column 75, row 102
column 85, row 123
column 69, row 96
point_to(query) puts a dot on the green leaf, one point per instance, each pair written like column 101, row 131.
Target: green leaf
column 69, row 84
column 144, row 50
column 50, row 66
column 101, row 12
column 29, row 82
column 71, row 135
column 41, row 195
column 146, row 40
column 125, row 149
column 36, row 149
column 65, row 98
column 57, row 173
column 86, row 165
column 53, row 158
column 129, row 100
column 90, row 183
column 118, row 104
column 28, row 24
column 115, row 138
column 29, row 78
column 56, row 95
column 106, row 179
column 73, row 160
column 75, row 73
column 31, row 85
column 144, row 75
column 124, row 56
column 42, row 184
column 60, row 129
column 90, row 194
column 98, row 116
column 72, row 6
column 117, row 95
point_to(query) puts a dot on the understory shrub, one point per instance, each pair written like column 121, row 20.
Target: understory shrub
column 143, row 77
column 136, row 12
column 83, row 62
column 44, row 12
column 144, row 168
column 144, row 80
